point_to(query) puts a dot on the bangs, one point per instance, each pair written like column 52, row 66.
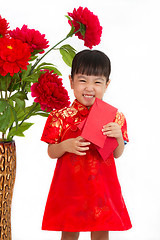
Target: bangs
column 90, row 67
column 91, row 62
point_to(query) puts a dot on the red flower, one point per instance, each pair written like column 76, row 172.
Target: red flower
column 3, row 27
column 49, row 92
column 92, row 29
column 33, row 37
column 14, row 56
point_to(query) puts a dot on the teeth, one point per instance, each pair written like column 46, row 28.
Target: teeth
column 89, row 96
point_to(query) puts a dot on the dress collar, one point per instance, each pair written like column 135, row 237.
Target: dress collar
column 80, row 107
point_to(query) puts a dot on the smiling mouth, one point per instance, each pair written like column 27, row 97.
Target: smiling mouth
column 88, row 96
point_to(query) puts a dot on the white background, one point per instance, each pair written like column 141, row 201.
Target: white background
column 132, row 41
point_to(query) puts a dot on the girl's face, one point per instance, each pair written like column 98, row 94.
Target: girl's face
column 88, row 88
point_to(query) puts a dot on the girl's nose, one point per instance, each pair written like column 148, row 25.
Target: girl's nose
column 89, row 87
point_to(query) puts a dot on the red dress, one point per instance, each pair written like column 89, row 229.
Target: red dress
column 85, row 194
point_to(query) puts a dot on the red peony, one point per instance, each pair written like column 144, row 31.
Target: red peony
column 3, row 27
column 49, row 92
column 33, row 37
column 14, row 56
column 92, row 29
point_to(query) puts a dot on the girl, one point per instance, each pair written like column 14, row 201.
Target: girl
column 85, row 194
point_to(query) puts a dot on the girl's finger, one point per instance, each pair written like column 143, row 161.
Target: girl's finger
column 108, row 133
column 84, row 144
column 80, row 153
column 80, row 139
column 105, row 129
column 82, row 149
column 110, row 125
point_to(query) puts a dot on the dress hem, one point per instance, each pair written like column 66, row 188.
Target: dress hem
column 89, row 229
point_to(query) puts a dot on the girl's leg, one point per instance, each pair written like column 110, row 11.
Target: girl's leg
column 100, row 235
column 70, row 235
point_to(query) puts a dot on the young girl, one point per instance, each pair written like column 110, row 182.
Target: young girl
column 85, row 194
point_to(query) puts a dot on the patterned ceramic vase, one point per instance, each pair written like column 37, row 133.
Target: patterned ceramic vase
column 7, row 179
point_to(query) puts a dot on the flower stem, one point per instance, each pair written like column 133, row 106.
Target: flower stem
column 6, row 88
column 28, row 114
column 38, row 60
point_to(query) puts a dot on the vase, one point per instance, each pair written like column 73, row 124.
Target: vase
column 7, row 179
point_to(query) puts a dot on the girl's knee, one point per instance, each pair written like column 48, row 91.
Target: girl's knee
column 70, row 235
column 100, row 235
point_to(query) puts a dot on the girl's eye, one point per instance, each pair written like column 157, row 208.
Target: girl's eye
column 81, row 80
column 98, row 82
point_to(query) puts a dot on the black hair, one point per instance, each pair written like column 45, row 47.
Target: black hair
column 91, row 62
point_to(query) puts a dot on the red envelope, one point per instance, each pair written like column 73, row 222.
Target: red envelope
column 100, row 114
column 109, row 146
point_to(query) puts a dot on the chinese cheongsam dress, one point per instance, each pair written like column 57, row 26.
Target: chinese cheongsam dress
column 85, row 194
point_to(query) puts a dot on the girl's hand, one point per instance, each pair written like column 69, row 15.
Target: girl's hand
column 76, row 145
column 112, row 129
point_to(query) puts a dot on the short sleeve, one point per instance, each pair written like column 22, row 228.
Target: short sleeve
column 53, row 128
column 121, row 120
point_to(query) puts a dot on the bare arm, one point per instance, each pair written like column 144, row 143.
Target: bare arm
column 119, row 150
column 114, row 130
column 73, row 145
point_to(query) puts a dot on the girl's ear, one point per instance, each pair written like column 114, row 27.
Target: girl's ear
column 71, row 81
column 107, row 84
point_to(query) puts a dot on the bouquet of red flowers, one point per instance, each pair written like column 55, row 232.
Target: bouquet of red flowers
column 21, row 70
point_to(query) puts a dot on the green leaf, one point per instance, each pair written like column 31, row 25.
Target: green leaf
column 69, row 18
column 48, row 66
column 82, row 29
column 37, row 51
column 25, row 73
column 18, row 109
column 66, row 57
column 20, row 103
column 32, row 58
column 67, row 53
column 14, row 115
column 28, row 87
column 3, row 105
column 19, row 131
column 69, row 48
column 15, row 83
column 5, row 120
column 43, row 114
column 43, row 64
column 6, row 111
column 32, row 78
column 21, row 95
column 53, row 69
column 19, row 98
column 5, row 82
column 5, row 115
column 70, row 34
column 29, row 111
column 2, row 83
